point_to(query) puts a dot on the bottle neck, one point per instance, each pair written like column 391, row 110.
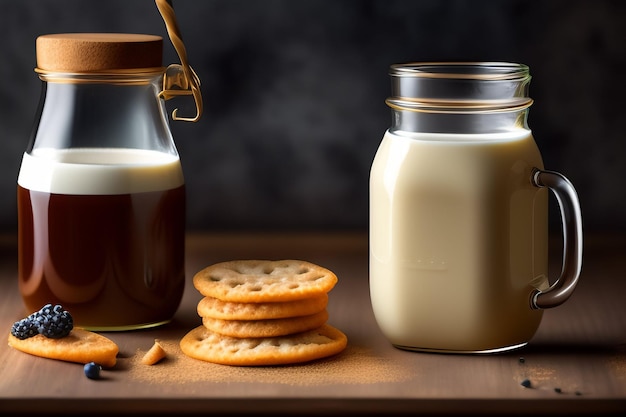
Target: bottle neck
column 102, row 112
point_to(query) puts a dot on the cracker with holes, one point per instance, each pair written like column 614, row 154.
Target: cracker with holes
column 265, row 328
column 259, row 281
column 204, row 344
column 227, row 310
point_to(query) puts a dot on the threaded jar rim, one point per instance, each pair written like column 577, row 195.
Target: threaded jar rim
column 459, row 87
column 478, row 70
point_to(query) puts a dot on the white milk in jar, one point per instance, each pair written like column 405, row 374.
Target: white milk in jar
column 442, row 223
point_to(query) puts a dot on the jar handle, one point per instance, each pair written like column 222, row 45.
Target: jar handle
column 183, row 77
column 571, row 220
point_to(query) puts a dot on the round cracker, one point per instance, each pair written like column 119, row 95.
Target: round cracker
column 227, row 310
column 265, row 328
column 206, row 345
column 259, row 281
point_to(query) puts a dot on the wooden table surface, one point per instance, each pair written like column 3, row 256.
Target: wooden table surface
column 576, row 362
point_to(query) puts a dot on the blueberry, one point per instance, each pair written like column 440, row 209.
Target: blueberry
column 526, row 383
column 92, row 370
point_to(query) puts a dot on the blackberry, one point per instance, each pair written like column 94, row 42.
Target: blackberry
column 24, row 328
column 53, row 321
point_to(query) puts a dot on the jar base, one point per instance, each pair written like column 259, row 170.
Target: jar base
column 452, row 351
column 124, row 328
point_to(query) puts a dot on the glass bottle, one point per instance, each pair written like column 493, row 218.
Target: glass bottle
column 101, row 192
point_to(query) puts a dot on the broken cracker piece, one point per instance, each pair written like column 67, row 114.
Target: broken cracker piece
column 154, row 355
column 80, row 346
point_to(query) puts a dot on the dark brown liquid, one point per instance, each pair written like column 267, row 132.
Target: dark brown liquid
column 113, row 261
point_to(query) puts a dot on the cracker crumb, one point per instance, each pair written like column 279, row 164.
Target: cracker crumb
column 154, row 355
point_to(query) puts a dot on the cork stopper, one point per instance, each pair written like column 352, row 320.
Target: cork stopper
column 97, row 52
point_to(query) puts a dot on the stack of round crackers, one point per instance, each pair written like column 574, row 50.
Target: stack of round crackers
column 262, row 312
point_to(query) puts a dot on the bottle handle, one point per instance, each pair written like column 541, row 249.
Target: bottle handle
column 571, row 220
column 179, row 79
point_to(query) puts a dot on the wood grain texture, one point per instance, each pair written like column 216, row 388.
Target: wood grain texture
column 576, row 362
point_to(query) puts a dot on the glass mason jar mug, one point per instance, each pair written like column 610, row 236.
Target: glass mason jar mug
column 101, row 193
column 459, row 212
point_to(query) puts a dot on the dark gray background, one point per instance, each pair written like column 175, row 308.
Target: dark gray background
column 294, row 94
